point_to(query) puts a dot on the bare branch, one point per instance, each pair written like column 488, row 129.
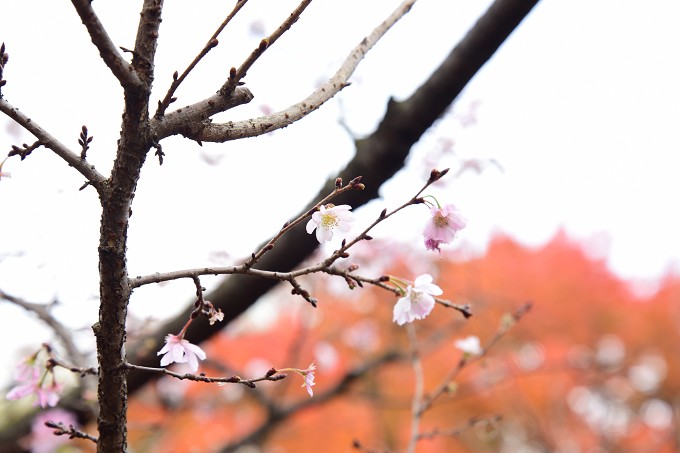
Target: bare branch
column 3, row 61
column 61, row 430
column 271, row 375
column 24, row 150
column 42, row 311
column 236, row 75
column 276, row 415
column 120, row 68
column 189, row 120
column 507, row 322
column 222, row 132
column 93, row 176
column 419, row 389
column 211, row 44
column 455, row 432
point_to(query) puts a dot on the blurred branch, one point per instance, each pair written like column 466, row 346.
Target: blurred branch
column 221, row 132
column 277, row 414
column 455, row 432
column 61, row 430
column 120, row 68
column 419, row 389
column 73, row 159
column 43, row 312
column 506, row 323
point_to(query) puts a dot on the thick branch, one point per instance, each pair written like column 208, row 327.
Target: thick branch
column 189, row 120
column 133, row 146
column 73, row 159
column 120, row 68
column 222, row 132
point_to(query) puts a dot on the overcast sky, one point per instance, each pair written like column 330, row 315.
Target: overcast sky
column 580, row 109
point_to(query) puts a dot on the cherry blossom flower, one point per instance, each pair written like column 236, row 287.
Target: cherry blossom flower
column 48, row 393
column 443, row 226
column 4, row 173
column 469, row 345
column 328, row 219
column 28, row 369
column 179, row 350
column 308, row 374
column 216, row 316
column 418, row 302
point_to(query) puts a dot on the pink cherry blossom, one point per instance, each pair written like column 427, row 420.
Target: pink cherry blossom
column 216, row 316
column 179, row 350
column 443, row 226
column 418, row 302
column 309, row 378
column 47, row 393
column 328, row 219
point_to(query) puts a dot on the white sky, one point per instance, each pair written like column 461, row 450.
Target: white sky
column 580, row 107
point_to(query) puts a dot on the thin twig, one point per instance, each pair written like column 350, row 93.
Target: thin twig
column 277, row 414
column 507, row 322
column 271, row 375
column 83, row 371
column 93, row 176
column 236, row 75
column 211, row 44
column 455, row 432
column 61, row 430
column 354, row 184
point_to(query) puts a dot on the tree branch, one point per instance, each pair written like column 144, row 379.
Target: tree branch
column 221, row 132
column 277, row 415
column 120, row 68
column 42, row 311
column 236, row 75
column 378, row 157
column 93, row 176
column 211, row 44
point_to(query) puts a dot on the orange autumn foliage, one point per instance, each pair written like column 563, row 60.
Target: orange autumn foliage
column 589, row 366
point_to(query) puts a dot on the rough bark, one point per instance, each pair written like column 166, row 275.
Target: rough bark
column 116, row 201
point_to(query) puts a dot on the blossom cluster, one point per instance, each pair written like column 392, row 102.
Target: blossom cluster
column 33, row 379
column 417, row 301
